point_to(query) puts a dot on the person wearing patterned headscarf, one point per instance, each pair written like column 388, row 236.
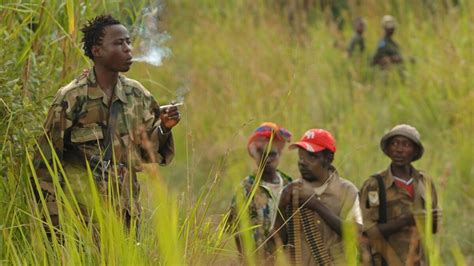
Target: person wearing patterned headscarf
column 261, row 190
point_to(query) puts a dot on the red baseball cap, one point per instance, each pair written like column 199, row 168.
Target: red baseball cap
column 316, row 140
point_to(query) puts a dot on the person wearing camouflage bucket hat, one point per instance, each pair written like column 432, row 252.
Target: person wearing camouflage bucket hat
column 388, row 51
column 393, row 201
column 407, row 131
column 388, row 22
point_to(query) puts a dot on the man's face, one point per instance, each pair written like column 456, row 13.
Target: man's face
column 311, row 165
column 401, row 150
column 270, row 158
column 389, row 31
column 115, row 51
column 360, row 27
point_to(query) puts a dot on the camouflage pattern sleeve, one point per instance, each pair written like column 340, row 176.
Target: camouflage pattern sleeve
column 355, row 41
column 232, row 214
column 162, row 143
column 434, row 195
column 241, row 192
column 52, row 142
column 369, row 203
column 53, row 138
column 380, row 53
column 351, row 47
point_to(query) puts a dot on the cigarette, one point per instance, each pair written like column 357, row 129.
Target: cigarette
column 164, row 107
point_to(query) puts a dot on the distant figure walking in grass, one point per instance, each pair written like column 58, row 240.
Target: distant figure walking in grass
column 315, row 207
column 107, row 121
column 395, row 202
column 388, row 52
column 357, row 42
column 261, row 189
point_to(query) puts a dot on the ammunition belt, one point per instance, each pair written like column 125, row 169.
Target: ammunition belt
column 294, row 230
column 303, row 218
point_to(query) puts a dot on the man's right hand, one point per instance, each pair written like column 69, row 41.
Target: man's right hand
column 170, row 118
column 306, row 193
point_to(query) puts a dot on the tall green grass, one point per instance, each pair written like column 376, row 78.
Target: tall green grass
column 243, row 65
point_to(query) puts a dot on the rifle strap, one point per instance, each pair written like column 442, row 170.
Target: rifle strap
column 110, row 131
column 382, row 206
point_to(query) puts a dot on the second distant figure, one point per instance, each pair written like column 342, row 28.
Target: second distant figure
column 388, row 52
column 357, row 42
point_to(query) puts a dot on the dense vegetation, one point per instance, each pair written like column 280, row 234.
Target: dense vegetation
column 241, row 63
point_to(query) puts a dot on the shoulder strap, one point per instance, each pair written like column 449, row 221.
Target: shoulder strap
column 109, row 135
column 382, row 205
column 382, row 200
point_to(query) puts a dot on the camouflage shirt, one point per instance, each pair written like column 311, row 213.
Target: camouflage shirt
column 357, row 41
column 398, row 202
column 387, row 49
column 262, row 210
column 77, row 121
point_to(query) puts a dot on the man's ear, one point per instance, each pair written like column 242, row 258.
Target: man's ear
column 96, row 51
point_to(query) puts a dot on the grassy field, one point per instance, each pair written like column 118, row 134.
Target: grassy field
column 241, row 63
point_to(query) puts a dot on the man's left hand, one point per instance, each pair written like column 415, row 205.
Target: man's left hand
column 170, row 118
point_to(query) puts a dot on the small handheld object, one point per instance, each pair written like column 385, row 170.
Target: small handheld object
column 164, row 107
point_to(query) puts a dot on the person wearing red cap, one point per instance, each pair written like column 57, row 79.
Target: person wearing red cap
column 331, row 200
column 261, row 190
column 394, row 201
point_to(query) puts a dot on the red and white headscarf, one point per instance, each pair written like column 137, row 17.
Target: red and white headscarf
column 267, row 131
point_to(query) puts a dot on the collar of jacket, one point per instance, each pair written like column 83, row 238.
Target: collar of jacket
column 95, row 92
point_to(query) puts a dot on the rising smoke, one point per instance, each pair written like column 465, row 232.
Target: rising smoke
column 151, row 46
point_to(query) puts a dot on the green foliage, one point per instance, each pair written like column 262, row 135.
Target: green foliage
column 243, row 64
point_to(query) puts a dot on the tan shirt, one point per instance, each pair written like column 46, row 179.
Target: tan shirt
column 275, row 190
column 339, row 195
column 398, row 203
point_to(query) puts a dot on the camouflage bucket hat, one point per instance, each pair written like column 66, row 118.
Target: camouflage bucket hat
column 406, row 131
column 388, row 22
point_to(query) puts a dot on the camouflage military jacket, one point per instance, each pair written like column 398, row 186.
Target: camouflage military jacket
column 357, row 41
column 387, row 47
column 78, row 118
column 398, row 201
column 262, row 209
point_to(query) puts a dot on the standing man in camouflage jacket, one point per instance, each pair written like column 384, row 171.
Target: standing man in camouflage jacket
column 357, row 43
column 388, row 51
column 395, row 201
column 106, row 120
